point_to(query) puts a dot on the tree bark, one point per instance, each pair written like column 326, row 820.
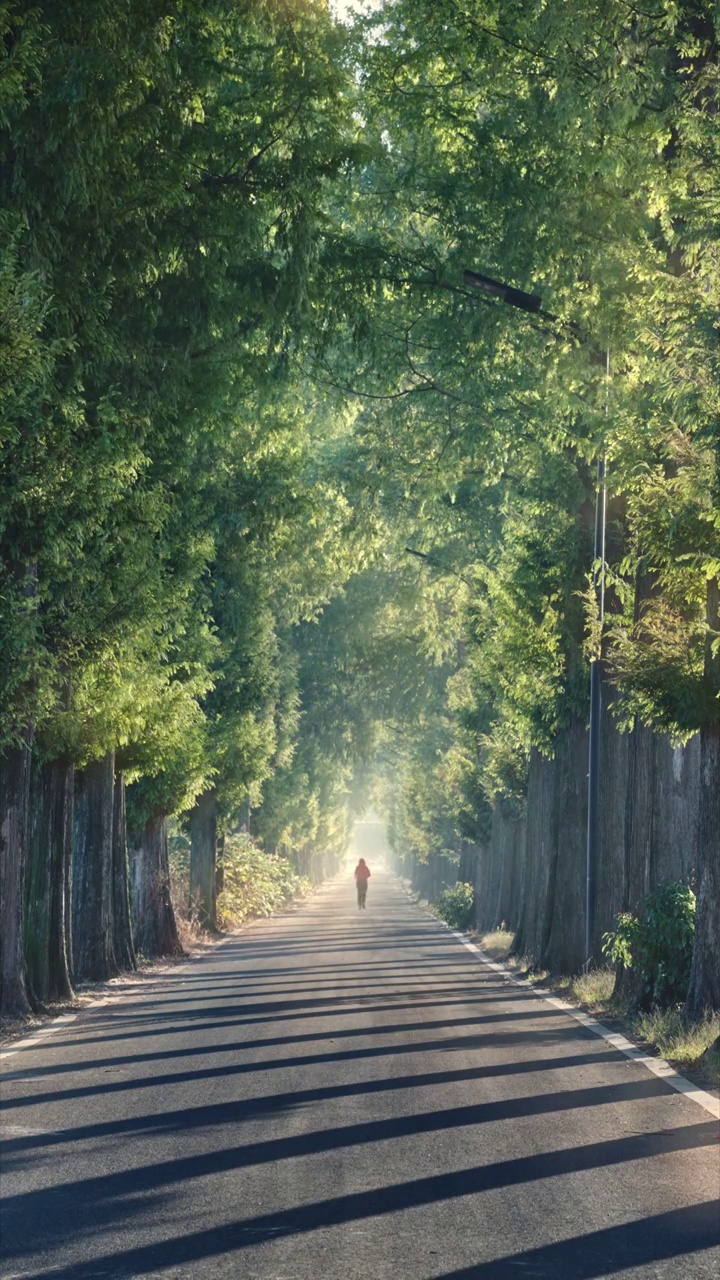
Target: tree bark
column 14, row 804
column 614, row 765
column 155, row 925
column 92, row 898
column 203, row 859
column 704, row 989
column 220, row 867
column 677, row 804
column 540, row 861
column 36, row 929
column 46, row 903
column 60, row 932
column 563, row 949
column 639, row 831
column 514, row 838
column 122, row 924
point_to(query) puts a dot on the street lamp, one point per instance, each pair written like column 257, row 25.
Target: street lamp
column 532, row 303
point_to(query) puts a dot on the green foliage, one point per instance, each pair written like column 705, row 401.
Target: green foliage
column 658, row 944
column 618, row 944
column 279, row 493
column 456, row 905
column 164, row 509
column 255, row 883
column 500, row 143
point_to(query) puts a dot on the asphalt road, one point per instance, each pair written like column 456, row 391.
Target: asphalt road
column 335, row 1094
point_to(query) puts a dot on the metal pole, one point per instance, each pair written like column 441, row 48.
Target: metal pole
column 593, row 819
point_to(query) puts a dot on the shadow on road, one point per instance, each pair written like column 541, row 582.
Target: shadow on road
column 368, row 1013
column 687, row 1231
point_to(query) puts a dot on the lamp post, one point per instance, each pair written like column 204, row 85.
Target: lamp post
column 532, row 303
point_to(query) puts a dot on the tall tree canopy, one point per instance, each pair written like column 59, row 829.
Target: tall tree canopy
column 282, row 493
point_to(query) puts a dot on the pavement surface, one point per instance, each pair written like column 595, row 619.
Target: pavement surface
column 341, row 1094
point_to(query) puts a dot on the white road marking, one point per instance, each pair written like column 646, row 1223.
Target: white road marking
column 658, row 1066
column 42, row 1032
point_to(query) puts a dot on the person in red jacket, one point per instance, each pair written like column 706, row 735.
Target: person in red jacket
column 362, row 875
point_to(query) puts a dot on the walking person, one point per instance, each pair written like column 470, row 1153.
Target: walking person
column 362, row 875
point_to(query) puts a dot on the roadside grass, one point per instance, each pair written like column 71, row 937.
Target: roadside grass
column 595, row 988
column 497, row 944
column 665, row 1030
column 660, row 1029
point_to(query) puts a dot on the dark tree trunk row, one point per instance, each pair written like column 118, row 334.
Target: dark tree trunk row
column 203, row 859
column 47, row 901
column 659, row 821
column 704, row 991
column 66, row 914
column 14, row 805
column 92, row 880
column 122, row 922
column 314, row 865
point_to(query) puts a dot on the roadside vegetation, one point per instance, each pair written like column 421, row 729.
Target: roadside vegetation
column 456, row 906
column 685, row 1044
column 252, row 883
column 641, row 989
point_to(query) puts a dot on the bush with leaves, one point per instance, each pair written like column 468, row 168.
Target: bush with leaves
column 657, row 945
column 255, row 883
column 456, row 906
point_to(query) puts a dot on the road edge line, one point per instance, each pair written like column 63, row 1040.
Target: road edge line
column 658, row 1066
column 56, row 1024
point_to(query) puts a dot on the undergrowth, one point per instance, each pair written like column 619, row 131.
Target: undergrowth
column 661, row 1029
column 665, row 1029
column 456, row 906
column 254, row 884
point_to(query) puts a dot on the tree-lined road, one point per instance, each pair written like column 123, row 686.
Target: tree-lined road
column 342, row 1094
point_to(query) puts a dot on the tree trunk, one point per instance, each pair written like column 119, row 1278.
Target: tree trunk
column 46, row 903
column 203, row 859
column 512, row 836
column 639, row 826
column 41, row 815
column 220, row 867
column 60, row 932
column 540, row 861
column 563, row 948
column 122, row 924
column 704, row 989
column 14, row 803
column 677, row 804
column 614, row 765
column 155, row 926
column 92, row 900
column 490, row 872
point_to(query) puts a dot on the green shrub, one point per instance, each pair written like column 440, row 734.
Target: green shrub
column 255, row 883
column 659, row 944
column 456, row 906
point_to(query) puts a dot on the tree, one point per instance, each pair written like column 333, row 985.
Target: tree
column 164, row 177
